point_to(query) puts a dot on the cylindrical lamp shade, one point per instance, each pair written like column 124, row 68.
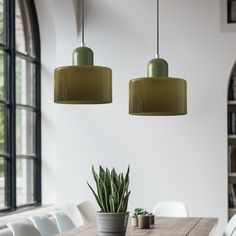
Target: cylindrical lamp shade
column 83, row 85
column 153, row 96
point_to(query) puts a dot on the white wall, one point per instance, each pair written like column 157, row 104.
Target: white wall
column 171, row 158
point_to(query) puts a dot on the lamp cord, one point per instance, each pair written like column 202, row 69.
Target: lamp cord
column 82, row 23
column 157, row 52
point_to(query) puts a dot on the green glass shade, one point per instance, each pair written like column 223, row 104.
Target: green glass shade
column 153, row 96
column 157, row 94
column 82, row 83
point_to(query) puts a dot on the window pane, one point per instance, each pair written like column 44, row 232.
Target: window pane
column 24, row 181
column 2, row 23
column 25, row 132
column 25, row 77
column 2, row 130
column 24, row 42
column 2, row 75
column 2, row 183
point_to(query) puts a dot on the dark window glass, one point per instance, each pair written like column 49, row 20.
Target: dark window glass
column 2, row 74
column 24, row 42
column 25, row 132
column 2, row 21
column 2, row 183
column 25, row 181
column 25, row 82
column 2, row 130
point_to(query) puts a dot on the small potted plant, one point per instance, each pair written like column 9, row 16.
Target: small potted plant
column 112, row 195
column 134, row 218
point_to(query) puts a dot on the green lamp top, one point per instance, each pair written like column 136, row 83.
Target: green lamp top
column 157, row 67
column 82, row 56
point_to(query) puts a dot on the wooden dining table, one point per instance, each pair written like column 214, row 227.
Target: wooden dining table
column 164, row 226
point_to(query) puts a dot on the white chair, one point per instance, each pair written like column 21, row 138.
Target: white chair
column 23, row 228
column 44, row 225
column 230, row 227
column 63, row 221
column 87, row 211
column 73, row 212
column 233, row 233
column 170, row 209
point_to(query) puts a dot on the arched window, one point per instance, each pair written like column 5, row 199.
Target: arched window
column 20, row 121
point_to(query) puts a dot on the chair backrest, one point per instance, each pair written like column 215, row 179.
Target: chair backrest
column 44, row 225
column 230, row 227
column 233, row 233
column 87, row 211
column 23, row 228
column 63, row 221
column 170, row 209
column 73, row 212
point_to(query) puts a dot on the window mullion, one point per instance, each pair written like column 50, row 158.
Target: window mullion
column 12, row 99
column 38, row 164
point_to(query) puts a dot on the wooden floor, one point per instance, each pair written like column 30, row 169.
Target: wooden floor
column 163, row 227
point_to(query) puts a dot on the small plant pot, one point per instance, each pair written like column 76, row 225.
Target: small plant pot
column 112, row 224
column 143, row 221
column 152, row 219
column 134, row 221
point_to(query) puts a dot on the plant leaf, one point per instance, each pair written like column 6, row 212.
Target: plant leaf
column 96, row 197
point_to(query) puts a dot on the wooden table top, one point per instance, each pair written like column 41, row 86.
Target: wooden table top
column 164, row 226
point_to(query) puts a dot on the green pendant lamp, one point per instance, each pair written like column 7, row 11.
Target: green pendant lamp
column 82, row 83
column 157, row 94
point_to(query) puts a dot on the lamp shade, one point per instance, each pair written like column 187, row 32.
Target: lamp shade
column 157, row 94
column 82, row 83
column 153, row 96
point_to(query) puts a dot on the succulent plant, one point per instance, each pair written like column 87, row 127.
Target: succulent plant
column 139, row 211
column 112, row 190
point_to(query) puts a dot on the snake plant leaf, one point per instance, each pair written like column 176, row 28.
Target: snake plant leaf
column 112, row 204
column 127, row 175
column 121, row 201
column 101, row 173
column 104, row 194
column 96, row 197
column 116, row 199
column 108, row 181
column 101, row 194
column 126, row 200
column 121, row 188
column 114, row 176
column 95, row 176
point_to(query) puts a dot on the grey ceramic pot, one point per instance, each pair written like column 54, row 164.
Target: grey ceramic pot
column 112, row 224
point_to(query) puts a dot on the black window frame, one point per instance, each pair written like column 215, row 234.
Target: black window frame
column 10, row 103
column 230, row 12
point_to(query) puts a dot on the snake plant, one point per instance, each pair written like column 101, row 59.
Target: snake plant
column 112, row 190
